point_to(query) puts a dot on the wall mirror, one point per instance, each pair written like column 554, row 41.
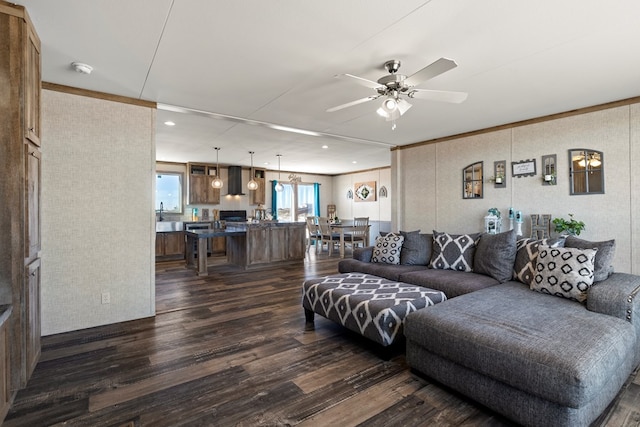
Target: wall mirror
column 472, row 185
column 549, row 172
column 586, row 171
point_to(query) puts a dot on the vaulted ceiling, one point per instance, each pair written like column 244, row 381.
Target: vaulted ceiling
column 240, row 71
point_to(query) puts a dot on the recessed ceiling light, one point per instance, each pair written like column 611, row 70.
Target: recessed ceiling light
column 325, row 146
column 354, row 162
column 266, row 163
column 169, row 123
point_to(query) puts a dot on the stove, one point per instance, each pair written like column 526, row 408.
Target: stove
column 233, row 216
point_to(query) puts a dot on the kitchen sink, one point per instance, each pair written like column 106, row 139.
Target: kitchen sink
column 166, row 226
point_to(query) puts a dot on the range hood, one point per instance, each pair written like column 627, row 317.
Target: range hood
column 235, row 181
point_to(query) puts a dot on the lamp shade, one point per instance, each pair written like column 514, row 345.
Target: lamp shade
column 217, row 181
column 252, row 184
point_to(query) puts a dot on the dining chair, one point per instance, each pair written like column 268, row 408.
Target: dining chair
column 313, row 232
column 326, row 234
column 359, row 234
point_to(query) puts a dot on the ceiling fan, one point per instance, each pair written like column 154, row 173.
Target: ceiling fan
column 394, row 85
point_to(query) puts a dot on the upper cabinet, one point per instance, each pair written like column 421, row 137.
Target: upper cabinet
column 258, row 197
column 201, row 191
column 32, row 87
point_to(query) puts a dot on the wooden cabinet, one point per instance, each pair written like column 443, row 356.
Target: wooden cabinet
column 279, row 243
column 170, row 245
column 201, row 192
column 297, row 242
column 5, row 366
column 218, row 245
column 32, row 203
column 258, row 245
column 32, row 87
column 20, row 172
column 269, row 243
column 32, row 310
column 258, row 197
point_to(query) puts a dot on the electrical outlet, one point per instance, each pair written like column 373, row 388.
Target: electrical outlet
column 106, row 298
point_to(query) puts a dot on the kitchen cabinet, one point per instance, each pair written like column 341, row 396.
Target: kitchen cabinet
column 20, row 178
column 201, row 192
column 267, row 243
column 218, row 245
column 32, row 310
column 32, row 87
column 33, row 170
column 258, row 197
column 5, row 386
column 170, row 245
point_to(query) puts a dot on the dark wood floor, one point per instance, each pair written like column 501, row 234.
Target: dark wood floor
column 231, row 350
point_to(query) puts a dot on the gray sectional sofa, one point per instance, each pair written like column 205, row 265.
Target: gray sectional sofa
column 514, row 334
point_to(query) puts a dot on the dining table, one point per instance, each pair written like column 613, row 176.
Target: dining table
column 343, row 229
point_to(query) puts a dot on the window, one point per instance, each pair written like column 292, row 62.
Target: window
column 296, row 207
column 586, row 171
column 169, row 191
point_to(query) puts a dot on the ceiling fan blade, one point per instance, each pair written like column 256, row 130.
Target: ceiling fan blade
column 430, row 71
column 352, row 103
column 438, row 95
column 361, row 80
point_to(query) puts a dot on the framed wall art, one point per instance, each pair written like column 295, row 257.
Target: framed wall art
column 523, row 168
column 365, row 191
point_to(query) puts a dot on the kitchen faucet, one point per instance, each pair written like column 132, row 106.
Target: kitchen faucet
column 161, row 209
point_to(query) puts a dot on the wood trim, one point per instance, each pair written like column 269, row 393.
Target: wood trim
column 363, row 170
column 12, row 9
column 99, row 95
column 578, row 111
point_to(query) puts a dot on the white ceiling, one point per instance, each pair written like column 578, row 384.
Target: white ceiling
column 274, row 62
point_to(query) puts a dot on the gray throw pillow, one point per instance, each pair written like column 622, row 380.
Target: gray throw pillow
column 495, row 255
column 524, row 268
column 416, row 249
column 604, row 257
column 453, row 251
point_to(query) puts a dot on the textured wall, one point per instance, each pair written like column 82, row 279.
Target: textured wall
column 378, row 210
column 428, row 179
column 97, row 212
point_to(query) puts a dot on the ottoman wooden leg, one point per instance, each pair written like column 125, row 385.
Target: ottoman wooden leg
column 308, row 317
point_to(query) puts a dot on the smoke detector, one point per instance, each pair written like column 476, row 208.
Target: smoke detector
column 82, row 68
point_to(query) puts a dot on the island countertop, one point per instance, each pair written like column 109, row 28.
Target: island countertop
column 251, row 245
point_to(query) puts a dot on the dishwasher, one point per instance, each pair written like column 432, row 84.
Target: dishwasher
column 190, row 226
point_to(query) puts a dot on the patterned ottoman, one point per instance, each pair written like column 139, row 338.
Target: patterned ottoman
column 369, row 305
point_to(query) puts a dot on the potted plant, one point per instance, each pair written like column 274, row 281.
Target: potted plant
column 570, row 226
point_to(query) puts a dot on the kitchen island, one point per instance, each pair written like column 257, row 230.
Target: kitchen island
column 250, row 245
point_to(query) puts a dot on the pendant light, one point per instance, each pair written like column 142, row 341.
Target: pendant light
column 279, row 186
column 252, row 184
column 217, row 181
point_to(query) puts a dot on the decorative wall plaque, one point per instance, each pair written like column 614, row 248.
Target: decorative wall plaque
column 523, row 168
column 365, row 191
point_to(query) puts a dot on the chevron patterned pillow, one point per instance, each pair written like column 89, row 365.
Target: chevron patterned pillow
column 453, row 251
column 524, row 269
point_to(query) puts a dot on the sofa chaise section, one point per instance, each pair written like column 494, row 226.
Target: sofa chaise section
column 538, row 359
